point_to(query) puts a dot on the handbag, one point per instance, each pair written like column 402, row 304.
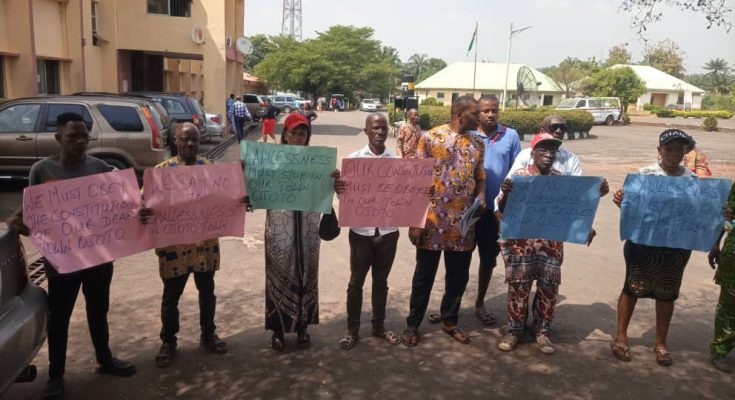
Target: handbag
column 329, row 227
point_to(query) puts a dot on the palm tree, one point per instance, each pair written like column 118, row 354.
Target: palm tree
column 416, row 63
column 719, row 74
column 391, row 55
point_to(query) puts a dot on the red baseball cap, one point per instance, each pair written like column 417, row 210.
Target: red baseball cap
column 544, row 137
column 295, row 119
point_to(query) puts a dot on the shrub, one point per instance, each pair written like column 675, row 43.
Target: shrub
column 430, row 101
column 664, row 113
column 709, row 124
column 724, row 114
column 649, row 107
column 625, row 118
column 425, row 121
column 718, row 102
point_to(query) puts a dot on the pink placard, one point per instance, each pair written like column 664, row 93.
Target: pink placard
column 194, row 203
column 82, row 222
column 385, row 192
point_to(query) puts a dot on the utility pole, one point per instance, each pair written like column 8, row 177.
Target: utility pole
column 507, row 62
column 291, row 22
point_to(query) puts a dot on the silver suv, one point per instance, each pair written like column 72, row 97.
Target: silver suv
column 126, row 132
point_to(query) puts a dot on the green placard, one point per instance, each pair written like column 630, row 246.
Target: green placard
column 287, row 177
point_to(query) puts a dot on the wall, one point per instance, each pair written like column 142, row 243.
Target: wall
column 20, row 70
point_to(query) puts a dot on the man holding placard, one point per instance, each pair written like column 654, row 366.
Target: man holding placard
column 177, row 262
column 73, row 162
column 459, row 182
column 371, row 247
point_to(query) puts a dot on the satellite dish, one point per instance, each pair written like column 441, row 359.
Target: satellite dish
column 244, row 45
column 527, row 88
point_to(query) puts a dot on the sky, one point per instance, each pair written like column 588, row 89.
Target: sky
column 559, row 28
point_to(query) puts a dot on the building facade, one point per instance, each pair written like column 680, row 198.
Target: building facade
column 68, row 46
column 663, row 89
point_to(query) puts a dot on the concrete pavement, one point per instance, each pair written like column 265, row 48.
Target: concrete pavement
column 438, row 368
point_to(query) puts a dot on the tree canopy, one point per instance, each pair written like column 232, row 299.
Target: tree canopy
column 719, row 75
column 665, row 56
column 618, row 54
column 621, row 82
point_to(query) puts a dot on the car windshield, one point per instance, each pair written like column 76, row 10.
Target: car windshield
column 568, row 103
column 368, row 101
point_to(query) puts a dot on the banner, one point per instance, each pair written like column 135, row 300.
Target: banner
column 194, row 203
column 385, row 192
column 287, row 177
column 671, row 211
column 82, row 222
column 554, row 207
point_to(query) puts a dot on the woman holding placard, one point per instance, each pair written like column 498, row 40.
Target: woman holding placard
column 292, row 241
column 653, row 272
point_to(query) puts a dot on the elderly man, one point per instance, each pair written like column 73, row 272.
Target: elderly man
column 73, row 162
column 177, row 262
column 408, row 135
column 459, row 179
column 567, row 163
column 371, row 247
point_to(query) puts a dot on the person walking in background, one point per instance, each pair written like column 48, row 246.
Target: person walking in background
column 292, row 241
column 408, row 135
column 724, row 260
column 242, row 114
column 270, row 112
column 230, row 115
column 459, row 181
column 697, row 161
column 309, row 114
column 653, row 272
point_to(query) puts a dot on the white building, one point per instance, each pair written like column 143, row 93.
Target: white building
column 664, row 89
column 456, row 80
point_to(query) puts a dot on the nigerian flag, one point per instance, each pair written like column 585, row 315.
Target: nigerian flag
column 472, row 42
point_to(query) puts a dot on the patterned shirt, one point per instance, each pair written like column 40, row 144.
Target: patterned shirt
column 408, row 140
column 240, row 110
column 458, row 166
column 181, row 259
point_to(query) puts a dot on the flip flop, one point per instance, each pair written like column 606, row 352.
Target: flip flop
column 456, row 334
column 389, row 336
column 663, row 358
column 621, row 352
column 410, row 337
column 485, row 317
column 435, row 318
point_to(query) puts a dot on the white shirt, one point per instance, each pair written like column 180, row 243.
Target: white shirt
column 567, row 163
column 365, row 152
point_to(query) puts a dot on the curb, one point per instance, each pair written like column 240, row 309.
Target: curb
column 681, row 126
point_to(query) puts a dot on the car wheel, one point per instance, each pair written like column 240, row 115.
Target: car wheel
column 609, row 120
column 287, row 110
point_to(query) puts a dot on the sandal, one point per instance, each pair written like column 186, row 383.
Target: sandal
column 277, row 342
column 663, row 357
column 410, row 337
column 435, row 318
column 389, row 336
column 456, row 334
column 484, row 316
column 621, row 352
column 348, row 342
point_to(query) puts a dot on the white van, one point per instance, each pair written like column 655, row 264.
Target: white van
column 604, row 109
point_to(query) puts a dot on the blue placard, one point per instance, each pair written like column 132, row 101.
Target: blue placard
column 552, row 207
column 673, row 211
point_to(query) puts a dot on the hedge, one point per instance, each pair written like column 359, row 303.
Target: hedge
column 664, row 113
column 704, row 114
column 525, row 122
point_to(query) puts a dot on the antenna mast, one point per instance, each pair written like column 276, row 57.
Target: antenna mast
column 291, row 23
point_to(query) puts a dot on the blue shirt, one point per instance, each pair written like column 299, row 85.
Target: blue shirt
column 501, row 149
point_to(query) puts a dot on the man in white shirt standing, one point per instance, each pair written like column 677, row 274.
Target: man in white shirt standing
column 567, row 163
column 371, row 247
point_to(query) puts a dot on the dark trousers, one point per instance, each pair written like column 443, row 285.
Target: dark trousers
column 62, row 294
column 172, row 290
column 457, row 266
column 239, row 126
column 377, row 252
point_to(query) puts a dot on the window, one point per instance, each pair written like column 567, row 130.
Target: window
column 174, row 8
column 2, row 77
column 121, row 118
column 48, row 76
column 581, row 104
column 196, row 107
column 54, row 110
column 439, row 95
column 20, row 118
column 250, row 99
column 595, row 103
column 96, row 38
column 173, row 106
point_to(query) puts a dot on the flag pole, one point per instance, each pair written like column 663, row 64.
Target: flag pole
column 474, row 72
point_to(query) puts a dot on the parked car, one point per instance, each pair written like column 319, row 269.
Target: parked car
column 126, row 132
column 23, row 308
column 285, row 103
column 255, row 104
column 180, row 107
column 368, row 105
column 604, row 109
column 214, row 124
